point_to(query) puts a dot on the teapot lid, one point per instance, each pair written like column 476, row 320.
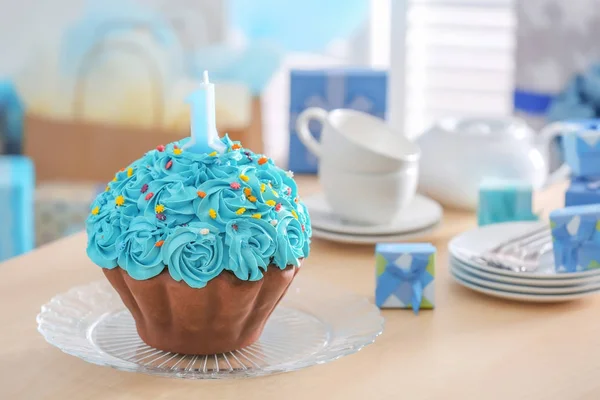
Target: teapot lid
column 487, row 127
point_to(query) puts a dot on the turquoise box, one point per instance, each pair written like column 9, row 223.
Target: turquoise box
column 582, row 149
column 576, row 238
column 405, row 275
column 504, row 201
column 17, row 185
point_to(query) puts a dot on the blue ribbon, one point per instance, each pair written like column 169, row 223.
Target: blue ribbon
column 392, row 280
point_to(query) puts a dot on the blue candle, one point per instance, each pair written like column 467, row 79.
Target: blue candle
column 205, row 138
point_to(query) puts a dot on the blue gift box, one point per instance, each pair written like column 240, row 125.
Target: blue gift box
column 576, row 238
column 504, row 201
column 12, row 114
column 582, row 192
column 405, row 275
column 17, row 184
column 582, row 149
column 358, row 89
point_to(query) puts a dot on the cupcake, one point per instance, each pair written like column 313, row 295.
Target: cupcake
column 200, row 247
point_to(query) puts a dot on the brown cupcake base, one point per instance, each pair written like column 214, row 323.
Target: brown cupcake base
column 227, row 314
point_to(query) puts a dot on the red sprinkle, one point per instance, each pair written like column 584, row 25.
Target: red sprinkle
column 160, row 148
column 289, row 191
column 169, row 164
column 277, row 207
column 149, row 196
column 161, row 217
column 235, row 227
column 303, row 228
column 175, row 146
column 235, row 185
column 145, row 188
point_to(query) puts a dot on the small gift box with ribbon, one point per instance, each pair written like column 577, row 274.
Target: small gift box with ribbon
column 504, row 201
column 576, row 238
column 582, row 149
column 357, row 89
column 17, row 184
column 405, row 275
column 582, row 192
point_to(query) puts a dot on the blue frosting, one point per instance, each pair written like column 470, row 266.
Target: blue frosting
column 198, row 215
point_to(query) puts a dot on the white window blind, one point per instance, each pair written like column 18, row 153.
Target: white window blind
column 457, row 60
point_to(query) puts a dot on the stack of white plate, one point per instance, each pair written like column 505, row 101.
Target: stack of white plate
column 419, row 218
column 542, row 285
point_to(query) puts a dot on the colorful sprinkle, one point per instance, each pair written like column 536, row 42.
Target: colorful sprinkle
column 144, row 188
column 114, row 179
column 236, row 146
column 274, row 222
column 107, row 189
column 95, row 210
column 212, row 213
column 263, row 187
column 290, row 174
column 235, row 227
column 235, row 185
column 289, row 191
column 204, row 231
column 122, row 169
column 251, row 199
column 159, row 208
column 169, row 164
column 213, row 154
column 278, row 207
column 159, row 243
column 160, row 148
column 240, row 211
column 248, row 191
column 129, row 172
column 294, row 214
column 177, row 151
column 161, row 217
column 262, row 160
column 149, row 196
column 256, row 216
column 275, row 193
column 296, row 200
column 244, row 178
column 247, row 153
column 201, row 194
column 303, row 228
column 120, row 200
column 270, row 203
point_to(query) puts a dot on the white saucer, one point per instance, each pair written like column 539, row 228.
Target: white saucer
column 421, row 213
column 534, row 298
column 468, row 277
column 479, row 240
column 371, row 239
column 572, row 282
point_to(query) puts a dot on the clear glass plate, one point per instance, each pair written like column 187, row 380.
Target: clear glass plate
column 315, row 323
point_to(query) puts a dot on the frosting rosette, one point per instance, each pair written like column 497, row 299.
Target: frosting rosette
column 198, row 216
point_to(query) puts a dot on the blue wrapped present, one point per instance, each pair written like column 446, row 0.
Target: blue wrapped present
column 405, row 275
column 358, row 89
column 582, row 192
column 504, row 201
column 582, row 149
column 12, row 113
column 17, row 185
column 576, row 238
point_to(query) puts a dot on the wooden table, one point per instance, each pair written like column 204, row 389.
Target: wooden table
column 469, row 347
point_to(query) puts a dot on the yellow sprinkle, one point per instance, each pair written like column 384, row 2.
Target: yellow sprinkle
column 257, row 216
column 213, row 154
column 240, row 211
column 159, row 208
column 271, row 186
column 107, row 189
column 271, row 203
column 212, row 213
column 177, row 151
column 95, row 210
column 129, row 172
column 263, row 187
column 120, row 200
column 247, row 191
column 294, row 214
column 244, row 178
column 114, row 179
column 275, row 193
column 252, row 199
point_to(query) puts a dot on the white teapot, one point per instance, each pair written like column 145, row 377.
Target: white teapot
column 457, row 154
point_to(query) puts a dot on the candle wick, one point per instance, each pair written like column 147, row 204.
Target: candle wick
column 205, row 77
